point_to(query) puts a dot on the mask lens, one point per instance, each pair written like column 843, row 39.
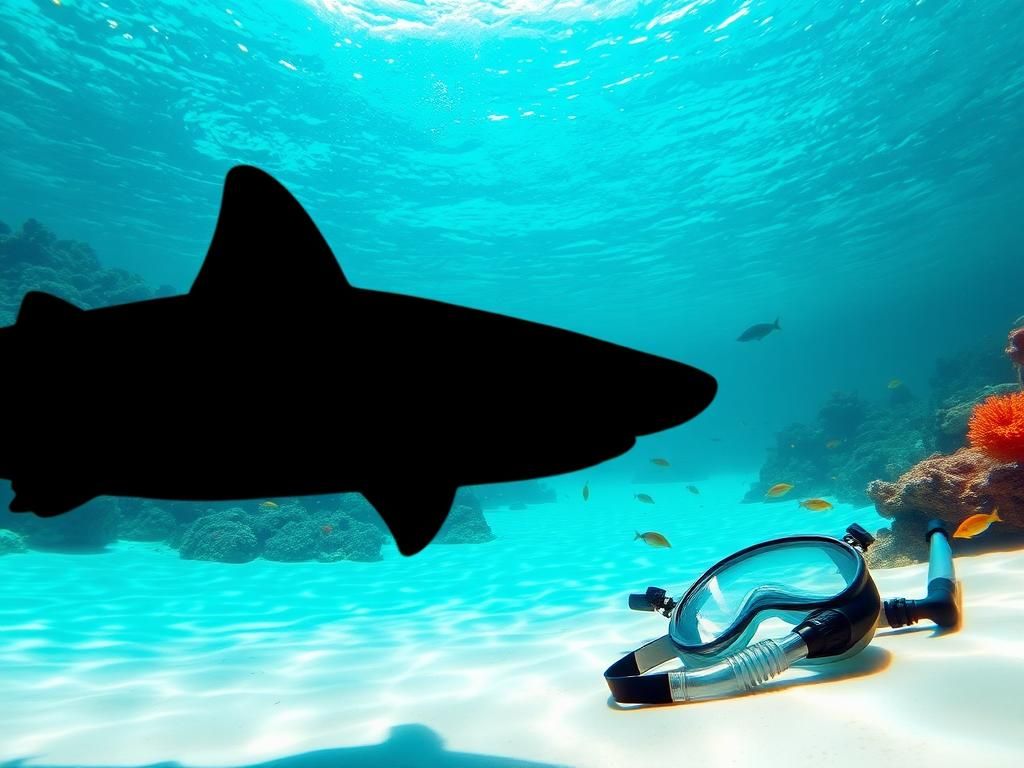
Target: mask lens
column 784, row 576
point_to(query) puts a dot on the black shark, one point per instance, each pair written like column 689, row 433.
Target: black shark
column 274, row 377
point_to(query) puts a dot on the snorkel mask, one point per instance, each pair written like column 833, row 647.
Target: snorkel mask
column 759, row 611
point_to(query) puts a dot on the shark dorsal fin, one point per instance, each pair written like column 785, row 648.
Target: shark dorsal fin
column 266, row 246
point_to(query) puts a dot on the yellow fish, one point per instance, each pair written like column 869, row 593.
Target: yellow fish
column 976, row 524
column 660, row 462
column 268, row 505
column 586, row 490
column 693, row 489
column 815, row 505
column 643, row 497
column 652, row 539
column 833, row 443
column 779, row 489
column 895, row 384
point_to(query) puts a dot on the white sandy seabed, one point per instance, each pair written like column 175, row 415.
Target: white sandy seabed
column 480, row 656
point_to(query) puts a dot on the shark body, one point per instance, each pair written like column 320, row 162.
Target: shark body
column 275, row 377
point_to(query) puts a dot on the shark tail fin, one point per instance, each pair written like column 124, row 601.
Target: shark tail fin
column 777, row 326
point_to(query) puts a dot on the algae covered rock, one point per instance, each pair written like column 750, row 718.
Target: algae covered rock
column 465, row 524
column 344, row 538
column 224, row 536
column 145, row 521
column 11, row 542
column 293, row 542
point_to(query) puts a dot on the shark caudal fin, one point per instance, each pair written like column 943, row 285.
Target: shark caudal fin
column 266, row 246
column 414, row 513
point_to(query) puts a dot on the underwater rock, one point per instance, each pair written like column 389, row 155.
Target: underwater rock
column 223, row 536
column 345, row 538
column 267, row 522
column 293, row 542
column 465, row 524
column 842, row 415
column 958, row 379
column 952, row 488
column 900, row 544
column 144, row 521
column 4, row 229
column 800, row 458
column 952, row 417
column 11, row 542
column 888, row 439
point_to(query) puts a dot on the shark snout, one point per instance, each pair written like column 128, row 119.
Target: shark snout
column 668, row 393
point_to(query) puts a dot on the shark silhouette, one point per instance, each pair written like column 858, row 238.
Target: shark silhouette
column 274, row 377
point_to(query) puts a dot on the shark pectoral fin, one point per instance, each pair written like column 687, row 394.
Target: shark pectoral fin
column 266, row 246
column 414, row 513
column 44, row 310
column 46, row 499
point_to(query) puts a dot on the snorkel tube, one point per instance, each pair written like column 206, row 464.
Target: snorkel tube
column 942, row 605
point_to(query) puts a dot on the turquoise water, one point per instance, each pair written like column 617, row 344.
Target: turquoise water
column 658, row 174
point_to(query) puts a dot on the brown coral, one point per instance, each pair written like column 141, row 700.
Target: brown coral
column 954, row 487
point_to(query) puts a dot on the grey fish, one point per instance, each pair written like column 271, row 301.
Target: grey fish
column 759, row 331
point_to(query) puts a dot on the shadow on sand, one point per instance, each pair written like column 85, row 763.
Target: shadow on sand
column 409, row 746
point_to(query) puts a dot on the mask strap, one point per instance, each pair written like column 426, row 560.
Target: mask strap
column 627, row 681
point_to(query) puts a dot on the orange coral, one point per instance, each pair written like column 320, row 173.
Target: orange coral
column 997, row 427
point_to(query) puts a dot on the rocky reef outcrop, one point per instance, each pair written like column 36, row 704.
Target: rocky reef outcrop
column 950, row 488
column 851, row 443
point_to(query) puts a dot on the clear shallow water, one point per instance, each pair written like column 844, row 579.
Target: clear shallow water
column 135, row 656
column 471, row 655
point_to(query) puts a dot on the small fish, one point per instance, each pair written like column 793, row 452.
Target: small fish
column 833, row 444
column 652, row 539
column 895, row 384
column 815, row 505
column 643, row 497
column 660, row 462
column 779, row 489
column 977, row 524
column 759, row 331
column 693, row 489
column 327, row 529
column 586, row 490
column 268, row 505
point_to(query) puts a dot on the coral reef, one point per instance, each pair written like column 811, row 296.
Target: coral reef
column 144, row 521
column 10, row 542
column 952, row 488
column 952, row 415
column 224, row 536
column 841, row 416
column 852, row 443
column 34, row 259
column 996, row 426
column 465, row 524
